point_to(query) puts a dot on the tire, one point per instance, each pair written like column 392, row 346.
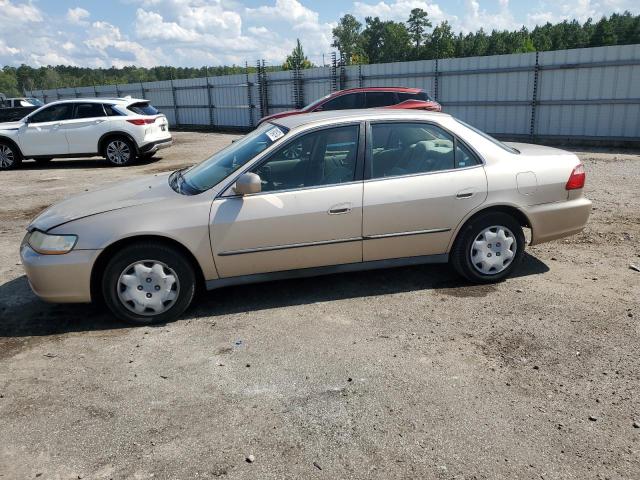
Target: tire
column 129, row 293
column 43, row 161
column 10, row 156
column 494, row 257
column 119, row 151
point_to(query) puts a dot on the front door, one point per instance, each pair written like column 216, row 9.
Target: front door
column 420, row 183
column 308, row 214
column 84, row 130
column 44, row 134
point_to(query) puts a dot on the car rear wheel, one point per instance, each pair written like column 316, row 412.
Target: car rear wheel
column 488, row 248
column 9, row 157
column 148, row 283
column 119, row 152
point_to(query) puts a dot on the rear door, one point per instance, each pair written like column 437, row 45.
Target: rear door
column 309, row 213
column 44, row 134
column 420, row 182
column 84, row 130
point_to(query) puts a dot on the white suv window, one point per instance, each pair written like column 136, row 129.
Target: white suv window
column 61, row 111
column 89, row 110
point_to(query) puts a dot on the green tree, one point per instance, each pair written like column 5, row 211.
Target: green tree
column 603, row 34
column 346, row 37
column 417, row 26
column 442, row 41
column 297, row 59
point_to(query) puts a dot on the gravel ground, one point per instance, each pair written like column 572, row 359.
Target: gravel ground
column 403, row 373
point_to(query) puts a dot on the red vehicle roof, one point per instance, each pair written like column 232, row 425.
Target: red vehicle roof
column 384, row 89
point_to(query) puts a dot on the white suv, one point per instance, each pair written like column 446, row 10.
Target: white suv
column 119, row 129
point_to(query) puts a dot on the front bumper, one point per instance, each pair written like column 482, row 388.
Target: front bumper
column 60, row 278
column 551, row 221
column 157, row 145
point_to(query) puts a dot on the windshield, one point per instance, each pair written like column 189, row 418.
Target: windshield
column 34, row 101
column 315, row 103
column 220, row 165
column 489, row 137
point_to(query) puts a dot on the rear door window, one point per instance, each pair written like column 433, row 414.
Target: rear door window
column 403, row 96
column 89, row 110
column 380, row 99
column 345, row 102
column 142, row 108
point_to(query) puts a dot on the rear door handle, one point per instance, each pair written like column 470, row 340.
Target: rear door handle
column 464, row 194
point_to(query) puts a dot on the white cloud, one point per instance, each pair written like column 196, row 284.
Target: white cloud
column 77, row 16
column 399, row 10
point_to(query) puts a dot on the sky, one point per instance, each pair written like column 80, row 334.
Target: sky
column 105, row 33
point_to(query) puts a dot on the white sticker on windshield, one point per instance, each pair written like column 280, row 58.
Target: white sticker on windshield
column 275, row 133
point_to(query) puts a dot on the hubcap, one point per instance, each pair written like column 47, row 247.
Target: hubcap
column 6, row 156
column 148, row 287
column 118, row 152
column 493, row 250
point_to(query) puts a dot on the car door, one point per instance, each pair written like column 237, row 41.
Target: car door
column 43, row 134
column 420, row 182
column 308, row 214
column 84, row 129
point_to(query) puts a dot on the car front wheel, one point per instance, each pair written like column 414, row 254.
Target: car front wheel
column 119, row 152
column 148, row 283
column 489, row 247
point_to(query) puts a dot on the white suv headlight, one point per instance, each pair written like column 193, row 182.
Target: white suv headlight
column 46, row 244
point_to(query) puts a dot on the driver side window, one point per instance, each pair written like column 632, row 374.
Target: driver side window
column 323, row 157
column 54, row 113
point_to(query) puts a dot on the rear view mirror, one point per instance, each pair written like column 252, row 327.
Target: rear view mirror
column 248, row 183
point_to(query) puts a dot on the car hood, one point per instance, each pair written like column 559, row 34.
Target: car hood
column 147, row 189
column 10, row 125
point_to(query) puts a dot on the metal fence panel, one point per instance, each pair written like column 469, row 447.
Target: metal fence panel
column 583, row 93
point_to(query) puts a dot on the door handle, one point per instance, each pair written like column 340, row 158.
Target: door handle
column 465, row 194
column 339, row 209
column 98, row 121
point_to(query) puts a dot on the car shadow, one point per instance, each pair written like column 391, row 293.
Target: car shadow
column 74, row 163
column 22, row 314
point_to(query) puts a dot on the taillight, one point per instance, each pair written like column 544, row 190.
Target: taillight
column 142, row 121
column 577, row 178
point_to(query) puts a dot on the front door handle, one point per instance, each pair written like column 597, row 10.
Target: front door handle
column 340, row 209
column 465, row 194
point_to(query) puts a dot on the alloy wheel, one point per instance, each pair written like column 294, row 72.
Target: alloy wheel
column 7, row 157
column 118, row 152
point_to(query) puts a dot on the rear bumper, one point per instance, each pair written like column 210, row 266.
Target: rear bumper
column 60, row 278
column 157, row 145
column 551, row 221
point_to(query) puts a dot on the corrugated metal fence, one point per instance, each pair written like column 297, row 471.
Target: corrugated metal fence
column 590, row 93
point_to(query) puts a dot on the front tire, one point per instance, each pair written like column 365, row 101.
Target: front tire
column 488, row 248
column 119, row 152
column 10, row 157
column 148, row 283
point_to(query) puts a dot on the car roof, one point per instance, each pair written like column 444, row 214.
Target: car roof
column 339, row 116
column 114, row 101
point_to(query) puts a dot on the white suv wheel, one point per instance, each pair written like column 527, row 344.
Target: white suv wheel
column 119, row 152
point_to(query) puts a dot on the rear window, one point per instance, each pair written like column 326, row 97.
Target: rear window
column 112, row 111
column 142, row 108
column 403, row 97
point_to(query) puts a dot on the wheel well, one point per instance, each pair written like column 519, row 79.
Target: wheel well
column 106, row 255
column 12, row 143
column 514, row 212
column 111, row 135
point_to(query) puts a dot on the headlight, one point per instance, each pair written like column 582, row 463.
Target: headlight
column 51, row 244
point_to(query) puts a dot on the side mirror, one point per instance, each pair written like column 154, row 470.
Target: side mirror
column 248, row 183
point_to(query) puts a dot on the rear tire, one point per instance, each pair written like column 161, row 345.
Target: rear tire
column 148, row 283
column 10, row 156
column 119, row 152
column 488, row 248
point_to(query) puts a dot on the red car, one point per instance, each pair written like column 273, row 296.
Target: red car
column 371, row 97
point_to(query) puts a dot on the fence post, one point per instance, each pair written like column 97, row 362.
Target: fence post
column 249, row 95
column 264, row 89
column 212, row 120
column 117, row 91
column 95, row 90
column 57, row 93
column 334, row 72
column 141, row 90
column 175, row 102
column 436, row 81
column 360, row 79
column 343, row 73
column 534, row 99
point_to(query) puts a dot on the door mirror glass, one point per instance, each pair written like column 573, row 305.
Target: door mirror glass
column 248, row 183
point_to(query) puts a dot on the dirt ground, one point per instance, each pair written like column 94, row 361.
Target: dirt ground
column 403, row 373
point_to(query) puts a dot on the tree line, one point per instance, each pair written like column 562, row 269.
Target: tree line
column 375, row 41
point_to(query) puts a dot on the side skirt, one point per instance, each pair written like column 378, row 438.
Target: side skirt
column 328, row 270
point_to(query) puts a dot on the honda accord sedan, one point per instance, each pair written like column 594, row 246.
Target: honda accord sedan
column 308, row 195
